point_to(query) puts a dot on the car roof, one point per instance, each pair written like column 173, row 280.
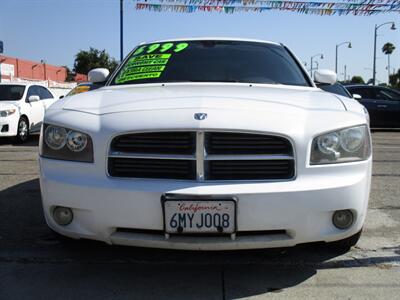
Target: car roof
column 362, row 86
column 213, row 39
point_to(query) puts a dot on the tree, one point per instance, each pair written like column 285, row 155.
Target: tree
column 94, row 58
column 388, row 49
column 357, row 80
column 70, row 74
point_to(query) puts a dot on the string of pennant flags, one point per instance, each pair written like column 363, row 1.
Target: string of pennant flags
column 345, row 7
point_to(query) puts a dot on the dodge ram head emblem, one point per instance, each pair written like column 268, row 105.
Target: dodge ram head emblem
column 200, row 116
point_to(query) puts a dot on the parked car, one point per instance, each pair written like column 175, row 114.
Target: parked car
column 22, row 108
column 82, row 88
column 207, row 144
column 336, row 88
column 382, row 103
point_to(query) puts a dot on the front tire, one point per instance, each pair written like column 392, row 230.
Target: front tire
column 23, row 130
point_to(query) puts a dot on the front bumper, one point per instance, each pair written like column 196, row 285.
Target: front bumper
column 129, row 211
column 12, row 123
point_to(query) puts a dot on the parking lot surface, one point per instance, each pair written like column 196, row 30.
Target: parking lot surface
column 37, row 264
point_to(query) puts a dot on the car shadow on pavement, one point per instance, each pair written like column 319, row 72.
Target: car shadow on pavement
column 33, row 140
column 385, row 130
column 27, row 245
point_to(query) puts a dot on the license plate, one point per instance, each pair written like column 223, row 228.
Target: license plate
column 202, row 216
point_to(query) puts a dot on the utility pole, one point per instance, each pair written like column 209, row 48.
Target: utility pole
column 345, row 73
column 388, row 69
column 121, row 8
column 1, row 59
column 393, row 27
column 311, row 63
column 336, row 53
column 43, row 62
column 374, row 64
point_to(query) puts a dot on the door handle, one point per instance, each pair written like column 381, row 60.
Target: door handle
column 382, row 105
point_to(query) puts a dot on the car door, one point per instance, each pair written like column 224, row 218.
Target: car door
column 387, row 107
column 367, row 99
column 35, row 110
column 46, row 97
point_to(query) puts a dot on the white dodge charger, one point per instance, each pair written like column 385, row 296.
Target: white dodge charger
column 207, row 144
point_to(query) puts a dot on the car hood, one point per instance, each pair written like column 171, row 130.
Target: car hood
column 4, row 105
column 115, row 99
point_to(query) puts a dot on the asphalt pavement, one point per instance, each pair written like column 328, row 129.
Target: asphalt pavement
column 37, row 264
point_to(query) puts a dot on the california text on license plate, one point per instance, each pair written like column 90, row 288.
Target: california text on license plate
column 202, row 216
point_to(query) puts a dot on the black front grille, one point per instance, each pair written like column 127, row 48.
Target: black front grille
column 156, row 143
column 250, row 169
column 217, row 156
column 243, row 143
column 152, row 168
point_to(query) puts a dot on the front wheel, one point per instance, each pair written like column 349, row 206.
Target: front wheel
column 23, row 130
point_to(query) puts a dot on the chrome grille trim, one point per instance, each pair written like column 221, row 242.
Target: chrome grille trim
column 201, row 157
column 200, row 154
column 248, row 157
column 118, row 154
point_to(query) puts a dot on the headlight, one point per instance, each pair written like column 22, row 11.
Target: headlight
column 76, row 141
column 65, row 144
column 7, row 112
column 345, row 145
column 55, row 137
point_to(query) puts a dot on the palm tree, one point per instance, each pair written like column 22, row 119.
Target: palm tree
column 388, row 49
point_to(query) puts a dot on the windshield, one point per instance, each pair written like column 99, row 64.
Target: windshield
column 10, row 92
column 211, row 61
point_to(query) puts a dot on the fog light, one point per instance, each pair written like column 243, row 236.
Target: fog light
column 343, row 219
column 4, row 128
column 62, row 215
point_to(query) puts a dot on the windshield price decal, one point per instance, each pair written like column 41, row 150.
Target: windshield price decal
column 145, row 60
column 161, row 48
column 135, row 73
column 149, row 61
column 150, row 57
column 147, row 69
column 141, row 76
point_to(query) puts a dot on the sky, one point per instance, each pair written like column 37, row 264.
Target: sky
column 55, row 30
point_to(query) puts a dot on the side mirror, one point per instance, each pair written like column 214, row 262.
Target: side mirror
column 33, row 98
column 325, row 76
column 357, row 97
column 62, row 96
column 98, row 75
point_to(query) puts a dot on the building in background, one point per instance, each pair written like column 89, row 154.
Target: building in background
column 11, row 68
